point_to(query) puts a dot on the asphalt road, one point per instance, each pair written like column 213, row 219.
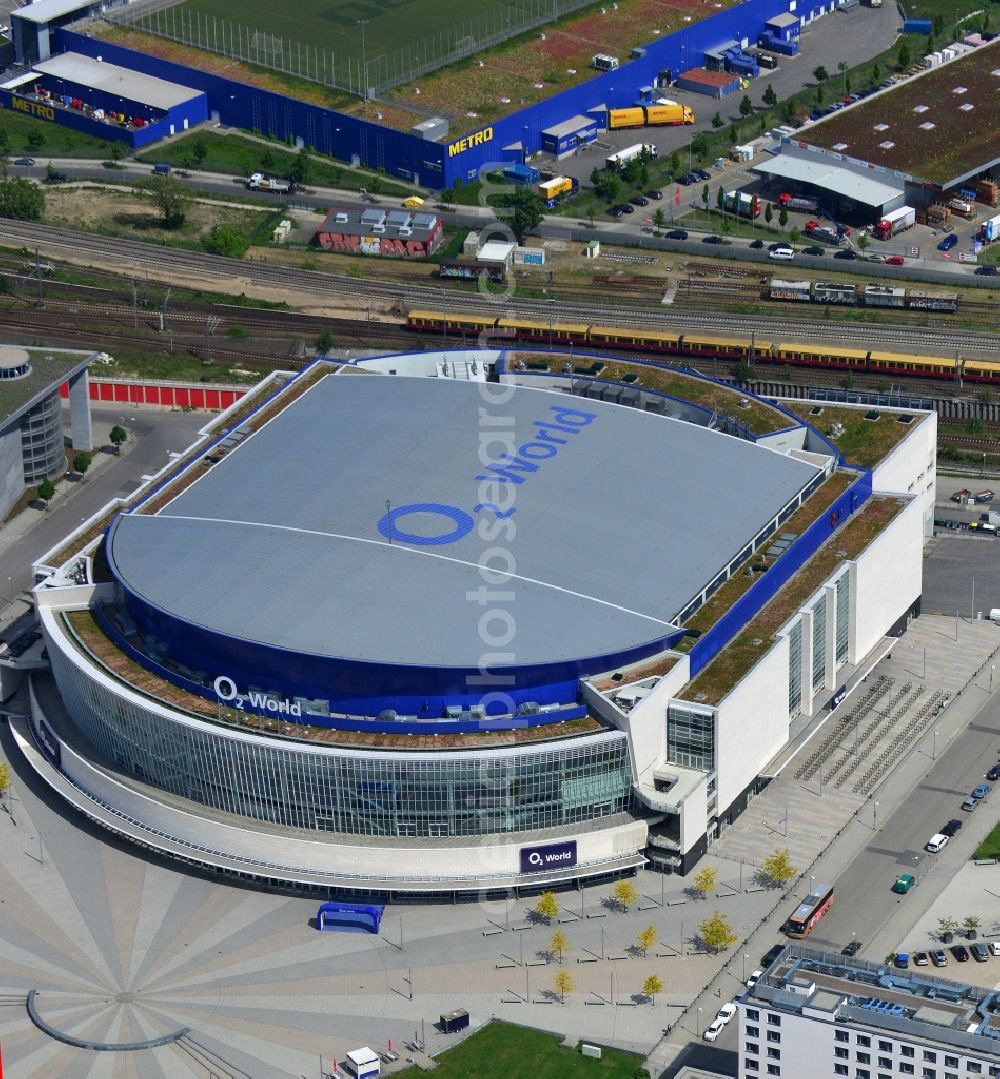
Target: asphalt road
column 962, row 573
column 155, row 434
column 864, row 900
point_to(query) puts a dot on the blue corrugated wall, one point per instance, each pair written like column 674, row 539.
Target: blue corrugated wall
column 431, row 164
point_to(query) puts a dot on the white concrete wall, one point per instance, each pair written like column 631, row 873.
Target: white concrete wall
column 783, row 441
column 694, row 815
column 910, row 468
column 425, row 364
column 646, row 724
column 889, row 577
column 11, row 468
column 753, row 723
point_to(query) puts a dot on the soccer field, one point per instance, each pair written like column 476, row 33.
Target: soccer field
column 333, row 25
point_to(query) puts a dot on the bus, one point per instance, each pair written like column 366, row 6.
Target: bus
column 805, row 916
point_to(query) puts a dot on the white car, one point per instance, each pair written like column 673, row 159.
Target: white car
column 754, row 978
column 726, row 1012
column 712, row 1032
column 995, row 947
column 937, row 842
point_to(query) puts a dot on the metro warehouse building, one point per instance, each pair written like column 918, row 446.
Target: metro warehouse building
column 442, row 624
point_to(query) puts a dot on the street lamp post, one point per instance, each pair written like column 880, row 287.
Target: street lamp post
column 934, row 752
column 874, row 816
column 745, row 958
column 697, row 1024
column 993, row 667
column 364, row 56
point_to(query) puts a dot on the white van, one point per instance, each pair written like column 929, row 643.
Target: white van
column 937, row 842
column 781, row 254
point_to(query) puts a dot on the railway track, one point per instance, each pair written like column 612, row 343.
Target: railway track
column 128, row 253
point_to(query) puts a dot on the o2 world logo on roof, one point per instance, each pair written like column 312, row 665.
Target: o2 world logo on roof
column 455, row 523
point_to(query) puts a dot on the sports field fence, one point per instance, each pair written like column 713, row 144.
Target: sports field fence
column 364, row 76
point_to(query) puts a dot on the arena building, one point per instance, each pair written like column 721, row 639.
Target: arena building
column 444, row 623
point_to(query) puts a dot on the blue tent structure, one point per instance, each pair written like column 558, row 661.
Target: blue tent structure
column 349, row 917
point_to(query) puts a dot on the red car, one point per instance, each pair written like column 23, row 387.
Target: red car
column 895, row 260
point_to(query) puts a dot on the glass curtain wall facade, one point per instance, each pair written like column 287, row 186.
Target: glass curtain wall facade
column 691, row 738
column 42, row 449
column 843, row 615
column 481, row 792
column 795, row 669
column 819, row 643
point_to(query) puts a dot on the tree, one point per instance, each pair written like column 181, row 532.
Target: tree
column 704, row 881
column 842, row 68
column 199, row 151
column 819, row 96
column 675, row 161
column 168, row 195
column 770, row 97
column 651, row 986
column 4, row 142
column 646, row 938
column 225, row 238
column 876, row 73
column 547, row 906
column 21, row 200
column 527, row 211
column 626, row 893
column 324, row 342
column 36, row 139
column 267, row 160
column 720, row 198
column 863, row 242
column 970, row 925
column 947, row 925
column 716, row 933
column 820, row 74
column 778, row 867
column 728, row 226
column 81, row 462
column 746, row 106
column 700, row 145
column 794, row 234
column 903, row 57
column 659, row 218
column 606, row 183
column 116, row 151
column 302, row 167
column 46, row 491
column 768, row 213
column 704, row 196
column 563, row 984
column 717, row 120
column 783, row 217
column 117, row 437
column 559, row 945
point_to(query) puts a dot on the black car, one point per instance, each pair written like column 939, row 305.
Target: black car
column 713, row 240
column 639, row 200
column 702, row 175
column 57, row 178
column 616, row 211
column 655, row 195
column 677, row 234
column 813, row 251
column 853, row 948
column 687, row 179
column 626, row 208
column 756, row 244
column 960, row 952
column 28, row 161
column 774, row 247
column 846, row 254
column 952, row 828
column 770, row 955
column 986, row 271
column 994, row 773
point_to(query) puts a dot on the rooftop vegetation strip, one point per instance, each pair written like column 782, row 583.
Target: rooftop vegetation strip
column 735, row 661
column 865, row 442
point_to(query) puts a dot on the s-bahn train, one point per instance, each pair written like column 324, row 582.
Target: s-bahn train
column 498, row 331
column 836, row 292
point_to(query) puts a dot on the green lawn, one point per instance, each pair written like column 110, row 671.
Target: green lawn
column 240, row 156
column 500, row 1049
column 990, row 846
column 55, row 141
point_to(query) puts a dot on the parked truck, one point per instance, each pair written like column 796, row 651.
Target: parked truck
column 555, row 190
column 653, row 115
column 522, row 174
column 741, row 203
column 259, row 182
column 991, row 229
column 806, row 203
column 631, row 153
column 896, row 222
column 824, row 233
